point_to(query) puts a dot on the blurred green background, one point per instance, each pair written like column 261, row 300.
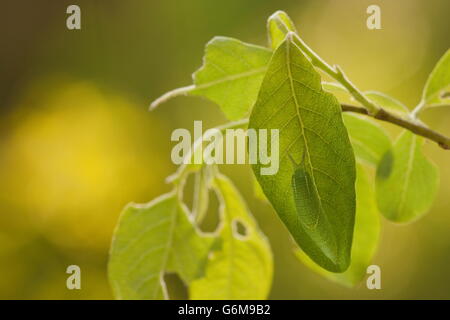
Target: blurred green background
column 77, row 142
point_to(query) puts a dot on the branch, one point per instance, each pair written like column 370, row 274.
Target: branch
column 414, row 127
column 335, row 72
column 370, row 109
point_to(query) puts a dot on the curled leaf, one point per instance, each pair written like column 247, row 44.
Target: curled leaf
column 278, row 25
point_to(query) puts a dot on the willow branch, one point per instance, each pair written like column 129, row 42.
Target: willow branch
column 369, row 108
column 412, row 126
column 335, row 72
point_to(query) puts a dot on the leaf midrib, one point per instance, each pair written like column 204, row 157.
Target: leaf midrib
column 230, row 78
column 167, row 253
column 297, row 108
column 407, row 174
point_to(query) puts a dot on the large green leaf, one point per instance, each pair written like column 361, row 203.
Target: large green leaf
column 150, row 240
column 406, row 181
column 365, row 237
column 257, row 190
column 310, row 127
column 231, row 75
column 438, row 83
column 278, row 25
column 243, row 268
column 369, row 140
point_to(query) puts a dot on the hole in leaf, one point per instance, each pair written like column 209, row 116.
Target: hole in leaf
column 176, row 288
column 239, row 228
column 211, row 220
column 188, row 191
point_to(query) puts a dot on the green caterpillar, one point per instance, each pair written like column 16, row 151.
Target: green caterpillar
column 307, row 201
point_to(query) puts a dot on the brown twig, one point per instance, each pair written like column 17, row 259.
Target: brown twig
column 410, row 125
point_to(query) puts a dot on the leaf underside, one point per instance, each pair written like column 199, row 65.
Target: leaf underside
column 365, row 237
column 231, row 75
column 291, row 99
column 150, row 240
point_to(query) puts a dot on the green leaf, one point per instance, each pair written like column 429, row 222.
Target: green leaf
column 243, row 268
column 231, row 75
column 149, row 240
column 334, row 88
column 365, row 237
column 381, row 99
column 278, row 25
column 388, row 103
column 310, row 128
column 369, row 139
column 257, row 190
column 438, row 83
column 406, row 181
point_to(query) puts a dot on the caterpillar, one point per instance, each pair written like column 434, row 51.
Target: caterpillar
column 307, row 201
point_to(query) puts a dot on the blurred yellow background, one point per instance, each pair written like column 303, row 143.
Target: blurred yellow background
column 77, row 142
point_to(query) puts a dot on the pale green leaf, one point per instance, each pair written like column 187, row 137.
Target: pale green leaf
column 369, row 139
column 243, row 268
column 438, row 83
column 339, row 91
column 152, row 239
column 278, row 25
column 334, row 88
column 365, row 237
column 311, row 130
column 388, row 103
column 231, row 75
column 381, row 99
column 406, row 181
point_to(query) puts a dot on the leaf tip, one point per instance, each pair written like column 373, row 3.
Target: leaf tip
column 277, row 13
